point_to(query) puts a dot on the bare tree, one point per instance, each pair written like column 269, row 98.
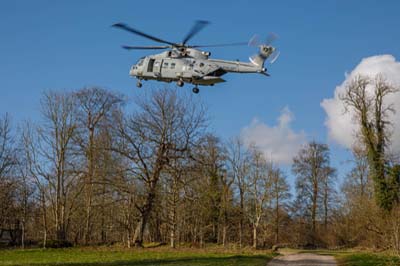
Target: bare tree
column 165, row 126
column 8, row 182
column 239, row 164
column 176, row 180
column 358, row 181
column 328, row 192
column 226, row 204
column 310, row 167
column 31, row 168
column 259, row 189
column 95, row 107
column 280, row 194
column 26, row 192
column 174, row 188
column 49, row 151
column 7, row 149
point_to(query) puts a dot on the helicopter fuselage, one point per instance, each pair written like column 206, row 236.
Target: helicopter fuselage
column 190, row 66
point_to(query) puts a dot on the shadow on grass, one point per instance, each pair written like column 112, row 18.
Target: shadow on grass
column 234, row 260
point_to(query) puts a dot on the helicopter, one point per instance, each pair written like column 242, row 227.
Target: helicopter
column 183, row 63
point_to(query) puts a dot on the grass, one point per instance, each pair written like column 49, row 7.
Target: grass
column 367, row 259
column 360, row 258
column 133, row 257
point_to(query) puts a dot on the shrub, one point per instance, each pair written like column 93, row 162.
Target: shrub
column 57, row 244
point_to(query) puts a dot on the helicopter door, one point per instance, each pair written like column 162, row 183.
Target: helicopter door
column 157, row 67
column 150, row 65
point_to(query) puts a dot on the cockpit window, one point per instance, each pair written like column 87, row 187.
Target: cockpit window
column 140, row 62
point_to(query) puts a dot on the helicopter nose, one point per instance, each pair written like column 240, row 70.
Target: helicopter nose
column 133, row 70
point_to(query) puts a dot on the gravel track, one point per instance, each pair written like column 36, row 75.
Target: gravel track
column 303, row 259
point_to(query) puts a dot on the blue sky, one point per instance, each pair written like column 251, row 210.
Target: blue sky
column 70, row 44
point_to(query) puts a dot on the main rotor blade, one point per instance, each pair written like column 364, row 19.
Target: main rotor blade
column 219, row 45
column 137, row 32
column 198, row 26
column 255, row 40
column 271, row 38
column 128, row 47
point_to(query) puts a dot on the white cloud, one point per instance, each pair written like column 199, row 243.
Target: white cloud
column 341, row 125
column 279, row 142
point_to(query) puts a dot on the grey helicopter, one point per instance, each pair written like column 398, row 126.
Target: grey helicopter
column 183, row 63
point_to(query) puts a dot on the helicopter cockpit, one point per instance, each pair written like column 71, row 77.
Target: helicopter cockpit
column 138, row 67
column 139, row 62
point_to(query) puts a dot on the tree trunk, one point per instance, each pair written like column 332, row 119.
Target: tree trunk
column 224, row 242
column 128, row 238
column 23, row 235
column 241, row 218
column 103, row 222
column 201, row 237
column 173, row 224
column 144, row 217
column 254, row 236
column 44, row 220
column 326, row 207
column 277, row 220
column 89, row 183
column 314, row 210
column 139, row 231
column 88, row 218
column 24, row 213
column 172, row 238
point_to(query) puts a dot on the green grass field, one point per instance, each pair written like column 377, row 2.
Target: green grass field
column 367, row 259
column 361, row 258
column 120, row 257
column 173, row 257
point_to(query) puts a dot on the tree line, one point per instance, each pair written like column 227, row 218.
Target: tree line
column 93, row 171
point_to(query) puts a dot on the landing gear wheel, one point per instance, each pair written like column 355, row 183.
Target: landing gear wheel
column 139, row 84
column 196, row 90
column 180, row 83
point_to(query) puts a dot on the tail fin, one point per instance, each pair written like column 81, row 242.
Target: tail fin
column 264, row 52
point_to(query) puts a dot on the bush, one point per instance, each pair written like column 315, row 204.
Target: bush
column 57, row 244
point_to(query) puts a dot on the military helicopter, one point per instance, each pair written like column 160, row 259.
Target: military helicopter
column 186, row 63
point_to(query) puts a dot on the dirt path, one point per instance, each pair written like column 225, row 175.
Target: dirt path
column 302, row 259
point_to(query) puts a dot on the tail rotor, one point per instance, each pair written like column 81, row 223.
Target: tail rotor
column 267, row 52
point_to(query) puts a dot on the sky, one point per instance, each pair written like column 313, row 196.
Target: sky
column 67, row 45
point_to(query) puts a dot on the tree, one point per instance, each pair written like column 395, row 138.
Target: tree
column 239, row 162
column 50, row 154
column 174, row 187
column 8, row 182
column 357, row 181
column 328, row 192
column 312, row 170
column 176, row 178
column 164, row 127
column 226, row 203
column 210, row 161
column 95, row 107
column 26, row 192
column 7, row 149
column 371, row 114
column 260, row 182
column 280, row 194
